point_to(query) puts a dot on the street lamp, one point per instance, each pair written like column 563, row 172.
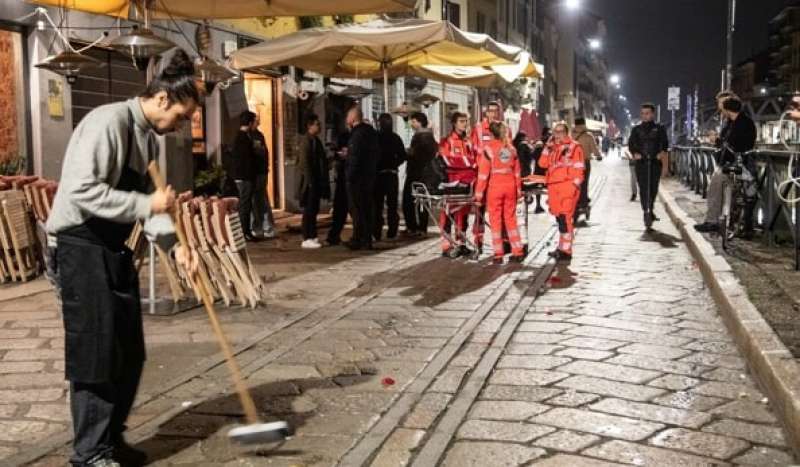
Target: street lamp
column 595, row 44
column 572, row 4
column 615, row 79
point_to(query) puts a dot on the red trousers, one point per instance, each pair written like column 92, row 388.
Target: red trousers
column 461, row 217
column 501, row 205
column 563, row 200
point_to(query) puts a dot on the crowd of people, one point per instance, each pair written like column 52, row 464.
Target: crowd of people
column 366, row 163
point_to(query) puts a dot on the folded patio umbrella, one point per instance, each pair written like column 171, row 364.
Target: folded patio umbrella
column 483, row 76
column 388, row 48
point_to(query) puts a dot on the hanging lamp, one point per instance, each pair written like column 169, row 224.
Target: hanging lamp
column 141, row 43
column 69, row 62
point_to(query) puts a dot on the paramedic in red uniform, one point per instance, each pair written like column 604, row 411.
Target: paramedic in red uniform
column 499, row 187
column 563, row 159
column 480, row 136
column 459, row 155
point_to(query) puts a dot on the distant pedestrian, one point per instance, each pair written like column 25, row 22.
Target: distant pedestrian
column 538, row 148
column 421, row 152
column 341, row 206
column 314, row 180
column 589, row 145
column 361, row 169
column 244, row 170
column 392, row 155
column 263, row 220
column 648, row 144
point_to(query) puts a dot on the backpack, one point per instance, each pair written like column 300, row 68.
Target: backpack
column 434, row 175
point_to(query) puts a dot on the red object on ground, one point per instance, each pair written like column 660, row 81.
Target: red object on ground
column 388, row 381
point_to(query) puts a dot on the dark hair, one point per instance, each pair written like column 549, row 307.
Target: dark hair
column 456, row 116
column 649, row 105
column 521, row 136
column 311, row 119
column 247, row 118
column 385, row 122
column 177, row 79
column 493, row 103
column 732, row 104
column 580, row 121
column 545, row 131
column 421, row 118
column 497, row 129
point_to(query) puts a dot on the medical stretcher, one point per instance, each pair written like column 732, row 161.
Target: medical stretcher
column 450, row 199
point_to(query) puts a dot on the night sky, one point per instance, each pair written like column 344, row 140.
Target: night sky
column 653, row 44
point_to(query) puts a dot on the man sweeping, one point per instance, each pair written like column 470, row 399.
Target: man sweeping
column 103, row 192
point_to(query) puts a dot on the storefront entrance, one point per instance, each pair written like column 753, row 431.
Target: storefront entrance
column 262, row 93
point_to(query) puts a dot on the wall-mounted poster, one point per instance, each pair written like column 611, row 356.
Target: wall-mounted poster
column 55, row 98
column 198, row 132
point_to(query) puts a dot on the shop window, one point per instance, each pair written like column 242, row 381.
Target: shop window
column 117, row 81
column 13, row 147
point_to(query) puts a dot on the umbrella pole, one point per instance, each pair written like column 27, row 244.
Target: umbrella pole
column 443, row 119
column 385, row 89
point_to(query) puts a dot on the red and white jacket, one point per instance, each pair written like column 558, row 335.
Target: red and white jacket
column 460, row 157
column 564, row 162
column 499, row 166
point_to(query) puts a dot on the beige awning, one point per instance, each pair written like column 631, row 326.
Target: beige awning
column 221, row 9
column 483, row 77
column 377, row 48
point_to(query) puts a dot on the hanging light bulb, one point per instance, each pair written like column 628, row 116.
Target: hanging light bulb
column 141, row 43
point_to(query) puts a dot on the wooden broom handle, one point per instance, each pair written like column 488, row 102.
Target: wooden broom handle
column 246, row 399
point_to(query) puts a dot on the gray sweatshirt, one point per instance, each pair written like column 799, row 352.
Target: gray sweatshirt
column 93, row 166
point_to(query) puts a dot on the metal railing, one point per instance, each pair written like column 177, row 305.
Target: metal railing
column 694, row 166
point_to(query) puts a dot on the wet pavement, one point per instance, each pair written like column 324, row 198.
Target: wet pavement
column 406, row 358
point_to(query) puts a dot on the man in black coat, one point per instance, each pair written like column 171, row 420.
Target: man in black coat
column 738, row 136
column 314, row 180
column 340, row 204
column 421, row 152
column 392, row 154
column 648, row 144
column 361, row 168
column 244, row 172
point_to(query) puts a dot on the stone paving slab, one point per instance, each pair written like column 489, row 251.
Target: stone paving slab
column 422, row 361
column 653, row 376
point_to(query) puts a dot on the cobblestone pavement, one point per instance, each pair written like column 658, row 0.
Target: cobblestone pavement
column 767, row 272
column 407, row 358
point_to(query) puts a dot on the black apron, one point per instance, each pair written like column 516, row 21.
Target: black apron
column 100, row 293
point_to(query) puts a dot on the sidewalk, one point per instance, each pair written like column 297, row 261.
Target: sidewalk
column 406, row 358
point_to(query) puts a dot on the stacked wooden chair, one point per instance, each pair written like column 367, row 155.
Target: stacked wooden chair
column 213, row 230
column 20, row 249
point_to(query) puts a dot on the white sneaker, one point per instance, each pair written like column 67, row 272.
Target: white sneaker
column 311, row 243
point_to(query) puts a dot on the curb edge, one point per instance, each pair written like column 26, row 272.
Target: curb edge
column 772, row 364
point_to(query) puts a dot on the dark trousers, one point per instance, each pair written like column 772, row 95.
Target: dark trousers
column 386, row 191
column 99, row 411
column 340, row 209
column 104, row 340
column 415, row 221
column 245, row 188
column 359, row 195
column 583, row 201
column 311, row 200
column 648, row 174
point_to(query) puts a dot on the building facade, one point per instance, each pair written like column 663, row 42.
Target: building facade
column 784, row 49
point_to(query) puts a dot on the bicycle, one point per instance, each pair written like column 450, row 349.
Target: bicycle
column 735, row 197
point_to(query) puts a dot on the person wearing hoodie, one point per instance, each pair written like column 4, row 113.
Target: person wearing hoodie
column 421, row 152
column 392, row 154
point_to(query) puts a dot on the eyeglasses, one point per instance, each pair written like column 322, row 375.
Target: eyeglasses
column 559, row 132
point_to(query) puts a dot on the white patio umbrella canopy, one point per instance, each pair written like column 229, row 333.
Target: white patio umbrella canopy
column 388, row 48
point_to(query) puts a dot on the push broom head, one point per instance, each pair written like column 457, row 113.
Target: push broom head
column 259, row 433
